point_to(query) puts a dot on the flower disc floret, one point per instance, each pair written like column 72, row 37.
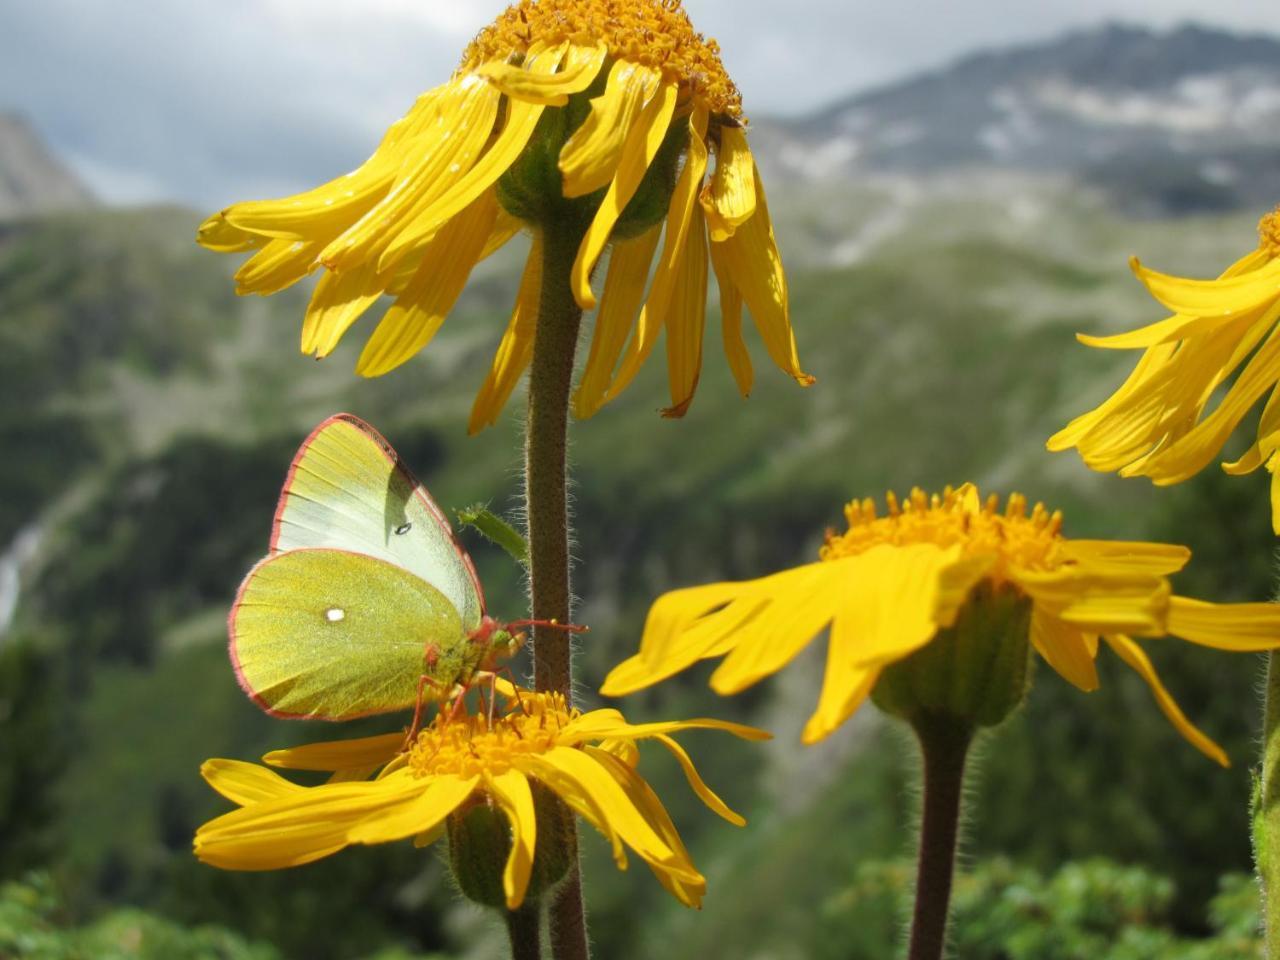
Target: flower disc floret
column 652, row 33
column 472, row 744
column 1269, row 233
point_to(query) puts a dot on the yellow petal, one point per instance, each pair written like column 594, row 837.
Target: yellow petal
column 415, row 318
column 325, row 211
column 1157, row 559
column 595, row 778
column 674, row 283
column 730, row 200
column 698, row 785
column 516, row 349
column 435, row 162
column 298, row 827
column 686, row 319
column 577, row 797
column 641, row 147
column 1136, row 657
column 1064, row 648
column 623, row 294
column 1241, row 627
column 845, row 684
column 338, row 301
column 1149, row 364
column 279, row 264
column 609, row 724
column 338, row 754
column 245, row 783
column 676, row 874
column 735, row 348
column 590, row 157
column 439, row 796
column 1212, row 298
column 218, row 234
column 1099, row 601
column 512, row 792
column 549, row 89
column 755, row 266
column 798, row 604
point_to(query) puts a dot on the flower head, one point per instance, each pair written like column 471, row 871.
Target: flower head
column 892, row 585
column 600, row 114
column 452, row 766
column 1223, row 332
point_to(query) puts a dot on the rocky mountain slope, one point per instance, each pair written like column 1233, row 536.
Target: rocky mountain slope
column 32, row 180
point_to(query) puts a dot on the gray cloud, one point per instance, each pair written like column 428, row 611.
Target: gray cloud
column 205, row 102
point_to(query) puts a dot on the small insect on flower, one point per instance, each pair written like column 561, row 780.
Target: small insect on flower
column 1223, row 333
column 600, row 124
column 365, row 602
column 936, row 606
column 456, row 774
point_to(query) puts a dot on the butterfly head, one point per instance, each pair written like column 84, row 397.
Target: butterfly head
column 501, row 641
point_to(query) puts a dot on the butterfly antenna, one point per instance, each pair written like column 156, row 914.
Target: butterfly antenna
column 552, row 624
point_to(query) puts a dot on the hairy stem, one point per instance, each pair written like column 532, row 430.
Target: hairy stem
column 524, row 929
column 1266, row 813
column 546, row 475
column 944, row 745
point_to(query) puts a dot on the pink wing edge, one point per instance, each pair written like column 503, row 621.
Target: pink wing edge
column 393, row 458
column 243, row 681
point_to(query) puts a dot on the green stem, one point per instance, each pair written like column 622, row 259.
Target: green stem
column 550, row 377
column 1266, row 814
column 524, row 928
column 944, row 745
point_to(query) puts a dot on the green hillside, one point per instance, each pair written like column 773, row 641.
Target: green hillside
column 146, row 422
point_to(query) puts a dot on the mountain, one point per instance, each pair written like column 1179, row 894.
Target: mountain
column 1163, row 122
column 32, row 180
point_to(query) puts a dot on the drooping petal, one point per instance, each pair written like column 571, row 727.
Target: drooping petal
column 735, row 348
column 425, row 813
column 246, row 783
column 1064, row 648
column 437, row 160
column 623, row 816
column 276, row 266
column 660, row 307
column 602, row 724
column 1219, row 298
column 698, row 785
column 1239, row 627
column 578, row 798
column 624, row 288
column 755, row 266
column 516, row 349
column 590, row 157
column 730, row 198
column 512, row 792
column 1136, row 657
column 641, row 147
column 845, row 683
column 338, row 754
column 416, row 316
column 686, row 319
column 338, row 301
column 581, row 64
column 216, row 233
column 1099, row 600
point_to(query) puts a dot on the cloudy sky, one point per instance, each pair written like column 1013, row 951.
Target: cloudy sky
column 207, row 101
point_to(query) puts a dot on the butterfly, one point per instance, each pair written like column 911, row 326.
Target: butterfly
column 366, row 598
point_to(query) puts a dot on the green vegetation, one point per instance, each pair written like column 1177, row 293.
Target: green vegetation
column 147, row 417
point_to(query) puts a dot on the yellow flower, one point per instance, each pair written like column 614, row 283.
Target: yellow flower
column 890, row 584
column 1158, row 424
column 588, row 759
column 603, row 112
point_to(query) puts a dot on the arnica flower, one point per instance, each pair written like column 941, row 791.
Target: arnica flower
column 892, row 585
column 1158, row 424
column 452, row 766
column 603, row 114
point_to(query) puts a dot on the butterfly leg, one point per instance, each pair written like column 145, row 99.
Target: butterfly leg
column 424, row 681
